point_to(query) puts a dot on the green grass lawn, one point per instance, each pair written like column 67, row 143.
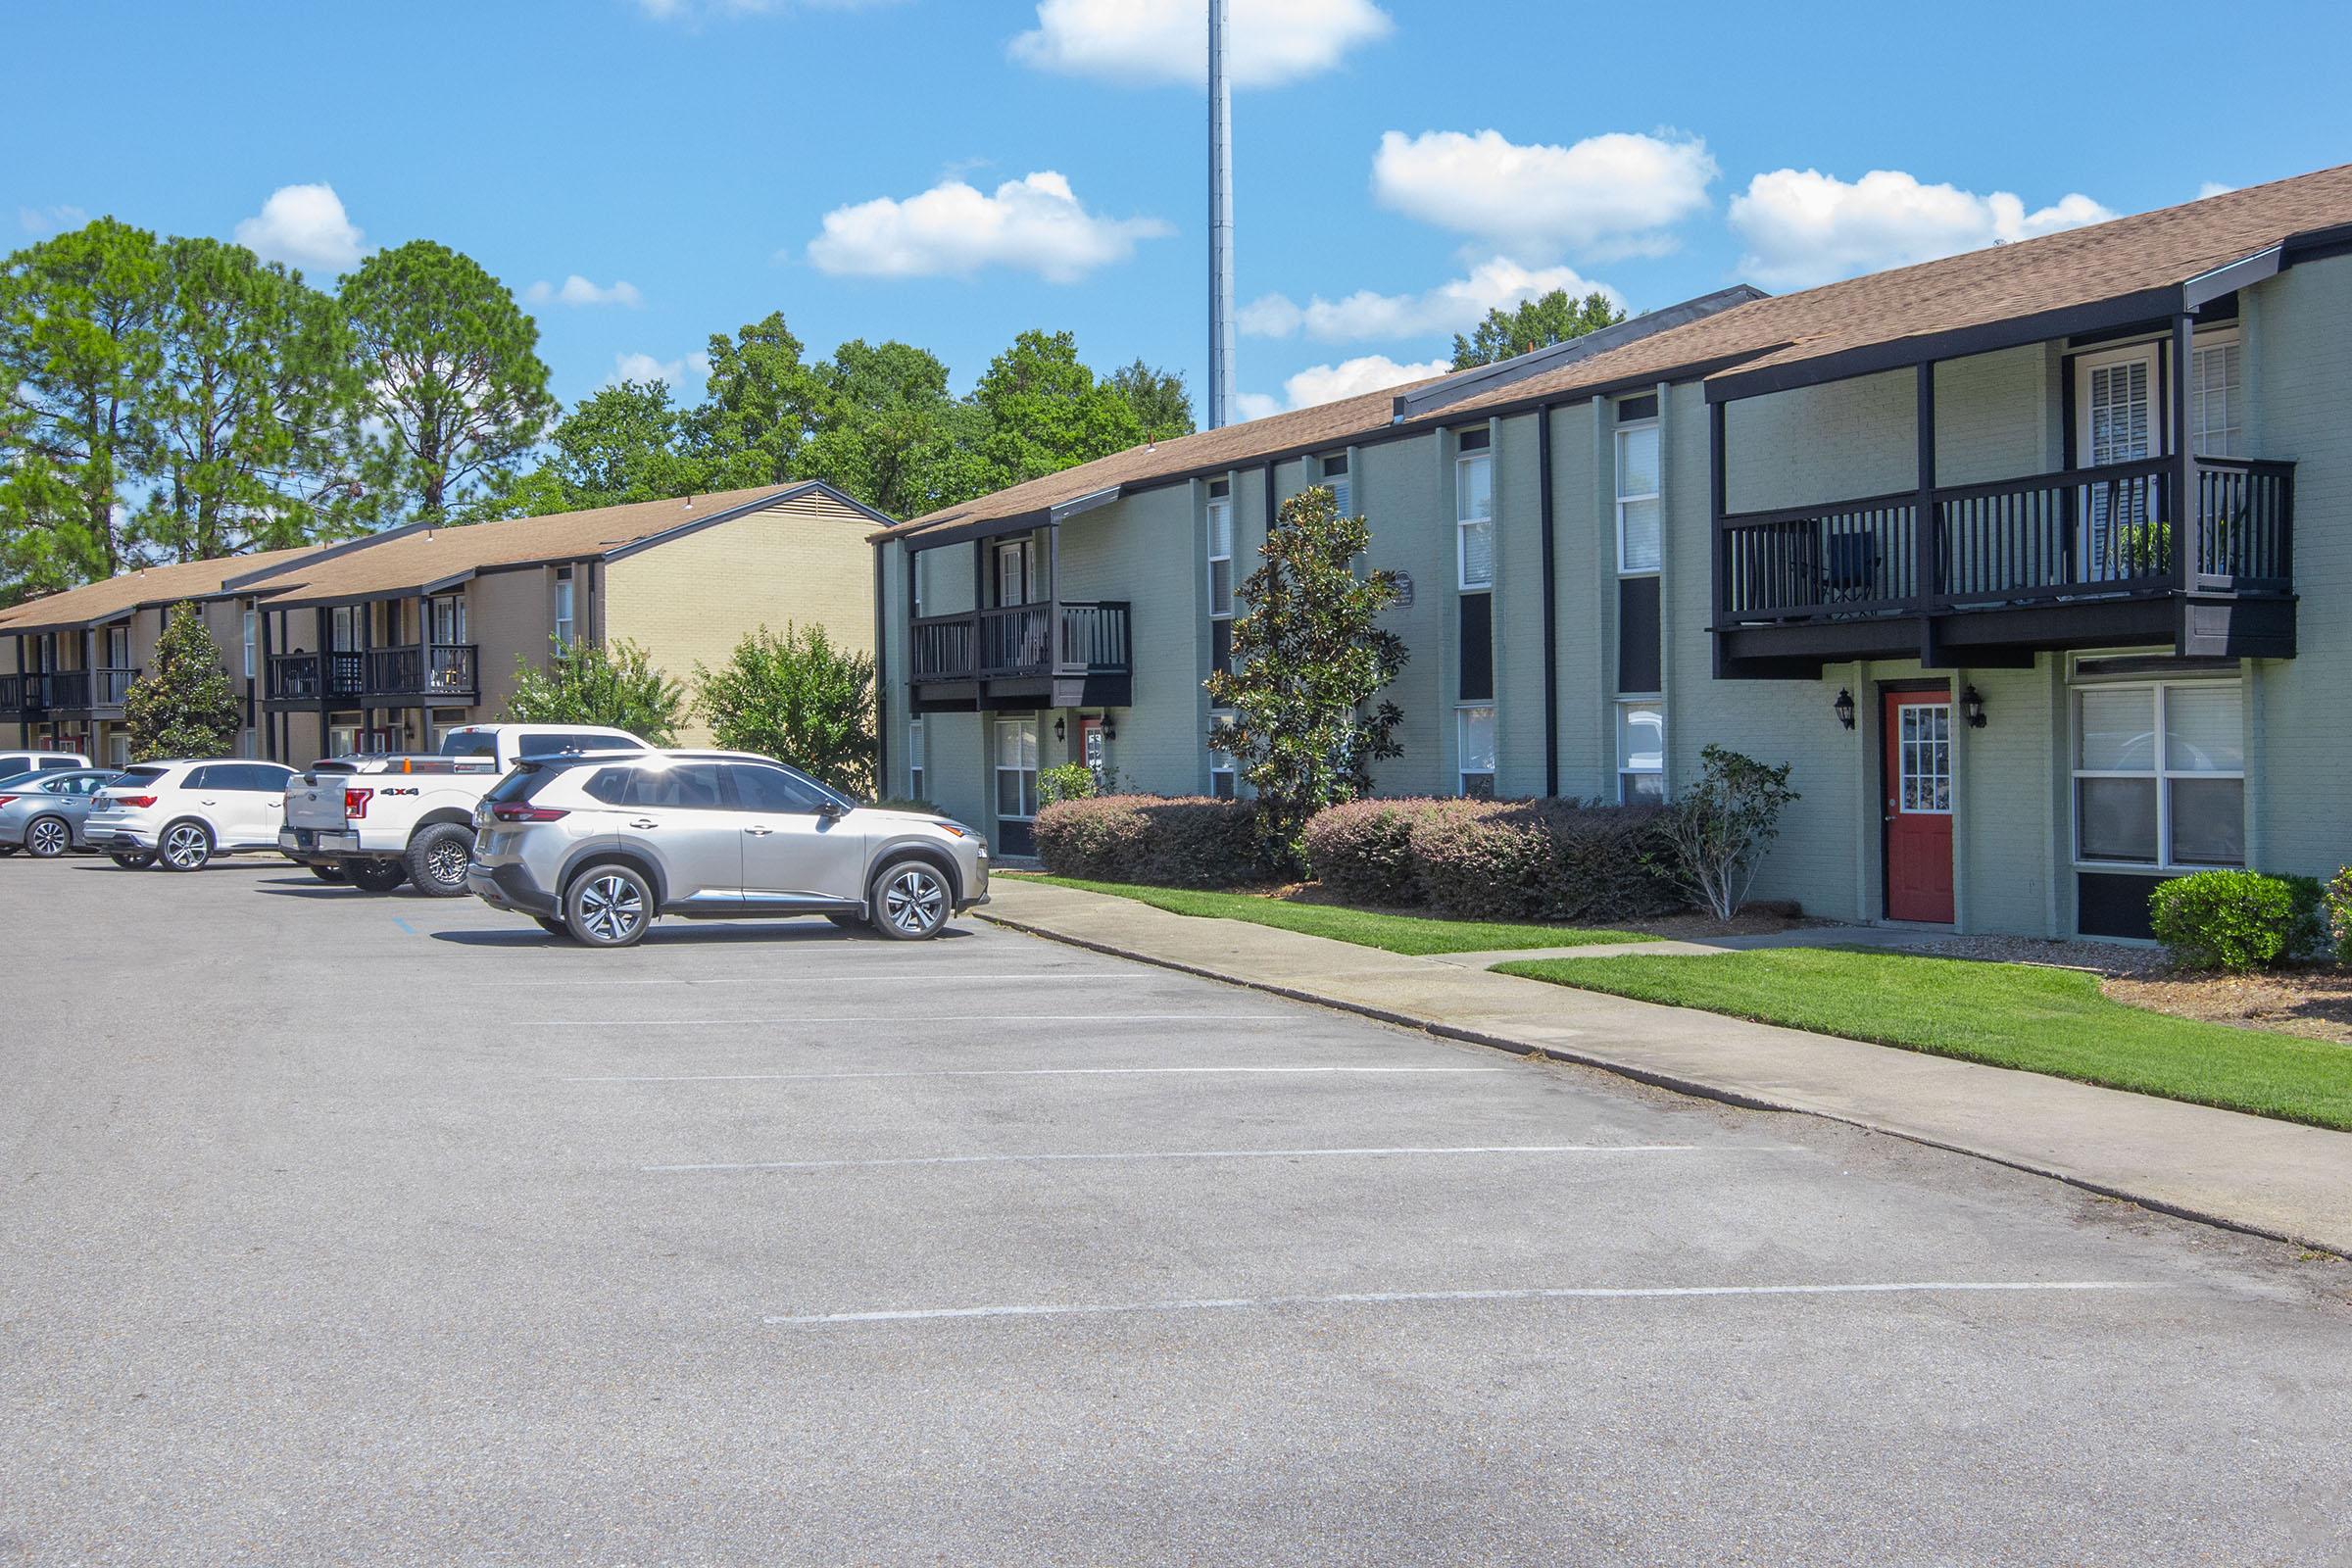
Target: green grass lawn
column 2007, row 1015
column 1397, row 933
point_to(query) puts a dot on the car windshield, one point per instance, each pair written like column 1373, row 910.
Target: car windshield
column 527, row 780
column 470, row 743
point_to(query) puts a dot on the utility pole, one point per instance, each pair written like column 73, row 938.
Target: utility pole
column 1220, row 221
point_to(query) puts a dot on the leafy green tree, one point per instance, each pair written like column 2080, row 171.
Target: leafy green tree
column 1717, row 834
column 1309, row 657
column 79, row 359
column 182, row 703
column 798, row 698
column 760, row 405
column 1047, row 412
column 454, row 377
column 626, row 442
column 1158, row 398
column 888, row 431
column 1534, row 324
column 255, row 411
column 589, row 683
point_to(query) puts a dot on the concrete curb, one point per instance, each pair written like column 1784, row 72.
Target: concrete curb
column 1676, row 1083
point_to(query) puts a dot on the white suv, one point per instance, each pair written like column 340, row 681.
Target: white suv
column 179, row 816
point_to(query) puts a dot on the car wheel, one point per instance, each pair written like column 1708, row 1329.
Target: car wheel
column 552, row 926
column 135, row 859
column 186, row 846
column 376, row 876
column 438, row 858
column 911, row 900
column 329, row 873
column 608, row 906
column 47, row 837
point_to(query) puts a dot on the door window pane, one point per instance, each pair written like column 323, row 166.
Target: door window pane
column 771, row 788
column 2116, row 819
column 2204, row 731
column 2116, row 730
column 681, row 786
column 2208, row 821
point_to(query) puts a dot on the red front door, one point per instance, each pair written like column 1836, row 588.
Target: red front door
column 1919, row 806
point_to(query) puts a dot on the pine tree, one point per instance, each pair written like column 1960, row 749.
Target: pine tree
column 182, row 704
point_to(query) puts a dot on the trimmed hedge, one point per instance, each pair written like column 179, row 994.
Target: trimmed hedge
column 1544, row 859
column 2238, row 920
column 1183, row 842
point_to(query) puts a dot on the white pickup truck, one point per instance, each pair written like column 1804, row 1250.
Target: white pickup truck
column 378, row 821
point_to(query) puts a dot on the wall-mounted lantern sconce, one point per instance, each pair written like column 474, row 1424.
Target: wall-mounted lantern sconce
column 1062, row 729
column 1110, row 730
column 1972, row 707
column 1843, row 708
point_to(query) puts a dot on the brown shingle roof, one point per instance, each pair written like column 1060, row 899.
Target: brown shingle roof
column 420, row 556
column 2105, row 262
column 133, row 590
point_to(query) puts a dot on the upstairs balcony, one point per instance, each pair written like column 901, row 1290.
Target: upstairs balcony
column 1051, row 654
column 1989, row 574
column 78, row 693
column 12, row 696
column 440, row 672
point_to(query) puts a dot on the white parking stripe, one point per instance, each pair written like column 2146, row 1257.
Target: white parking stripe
column 1579, row 1292
column 943, row 975
column 1228, row 1154
column 872, row 1017
column 994, row 1072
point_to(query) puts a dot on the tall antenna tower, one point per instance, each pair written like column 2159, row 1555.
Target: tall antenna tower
column 1220, row 222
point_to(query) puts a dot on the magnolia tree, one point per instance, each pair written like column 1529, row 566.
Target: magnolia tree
column 1309, row 657
column 1720, row 829
column 591, row 683
column 182, row 704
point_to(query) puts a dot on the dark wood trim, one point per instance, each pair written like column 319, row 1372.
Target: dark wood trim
column 2188, row 512
column 1927, row 537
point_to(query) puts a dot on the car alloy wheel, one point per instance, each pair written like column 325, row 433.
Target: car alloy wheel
column 48, row 838
column 186, row 847
column 611, row 906
column 914, row 901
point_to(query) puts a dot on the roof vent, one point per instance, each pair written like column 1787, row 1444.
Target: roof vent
column 1484, row 378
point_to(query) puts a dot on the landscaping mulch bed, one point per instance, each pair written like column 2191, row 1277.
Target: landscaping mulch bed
column 2314, row 1001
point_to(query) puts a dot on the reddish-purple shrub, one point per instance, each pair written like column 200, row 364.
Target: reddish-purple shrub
column 1363, row 850
column 1183, row 842
column 1543, row 860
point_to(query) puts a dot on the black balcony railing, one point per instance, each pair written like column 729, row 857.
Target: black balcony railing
column 12, row 694
column 2087, row 534
column 1022, row 640
column 439, row 669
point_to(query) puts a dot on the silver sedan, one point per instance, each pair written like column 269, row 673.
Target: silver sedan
column 41, row 814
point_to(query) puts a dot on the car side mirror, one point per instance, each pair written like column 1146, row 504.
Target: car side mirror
column 830, row 811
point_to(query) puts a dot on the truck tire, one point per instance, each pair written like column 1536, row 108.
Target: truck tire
column 376, row 876
column 438, row 856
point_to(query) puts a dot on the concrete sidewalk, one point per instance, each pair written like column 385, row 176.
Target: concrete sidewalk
column 2250, row 1173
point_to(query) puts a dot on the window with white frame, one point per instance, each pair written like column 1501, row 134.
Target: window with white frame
column 2160, row 774
column 1474, row 508
column 1641, row 752
column 1223, row 778
column 252, row 637
column 1474, row 749
column 1220, row 550
column 1640, row 534
column 2217, row 401
column 564, row 607
column 1342, row 486
column 1016, row 768
column 449, row 620
column 915, row 758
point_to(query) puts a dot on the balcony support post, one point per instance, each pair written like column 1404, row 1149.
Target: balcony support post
column 2187, row 511
column 1718, row 490
column 1928, row 547
column 425, row 675
column 269, row 715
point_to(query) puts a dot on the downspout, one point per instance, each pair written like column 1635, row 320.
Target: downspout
column 1551, row 634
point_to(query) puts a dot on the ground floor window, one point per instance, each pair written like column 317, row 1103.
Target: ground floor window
column 1224, row 780
column 1016, row 768
column 1641, row 752
column 2160, row 774
column 915, row 758
column 1474, row 749
column 343, row 734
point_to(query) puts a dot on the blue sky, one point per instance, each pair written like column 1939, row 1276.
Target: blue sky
column 952, row 172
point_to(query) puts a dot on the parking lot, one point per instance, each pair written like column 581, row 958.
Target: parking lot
column 389, row 1230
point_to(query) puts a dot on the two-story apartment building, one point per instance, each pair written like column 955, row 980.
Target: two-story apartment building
column 384, row 642
column 2024, row 558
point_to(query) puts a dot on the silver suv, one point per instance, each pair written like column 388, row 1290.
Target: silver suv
column 595, row 848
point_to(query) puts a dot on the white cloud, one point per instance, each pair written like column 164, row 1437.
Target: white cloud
column 304, row 225
column 1167, row 41
column 694, row 369
column 1033, row 224
column 2214, row 187
column 577, row 290
column 1610, row 195
column 1803, row 226
column 1455, row 306
column 1328, row 383
column 50, row 220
